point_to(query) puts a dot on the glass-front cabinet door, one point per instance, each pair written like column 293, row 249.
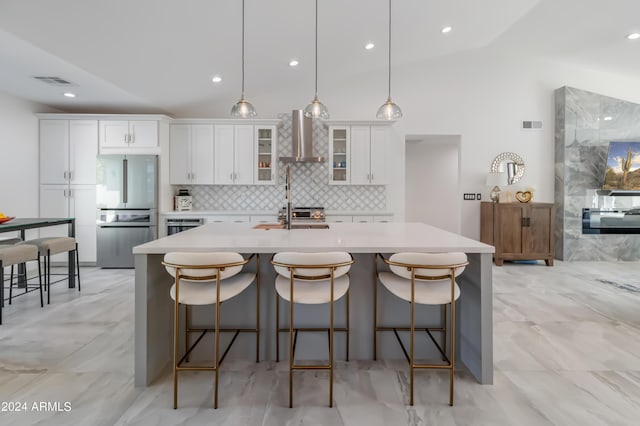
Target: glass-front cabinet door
column 339, row 155
column 265, row 155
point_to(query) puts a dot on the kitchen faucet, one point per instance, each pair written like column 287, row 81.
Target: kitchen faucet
column 287, row 192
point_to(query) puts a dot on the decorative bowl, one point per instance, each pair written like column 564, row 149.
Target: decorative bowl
column 6, row 219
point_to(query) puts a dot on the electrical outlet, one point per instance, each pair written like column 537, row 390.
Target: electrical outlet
column 467, row 196
column 478, row 196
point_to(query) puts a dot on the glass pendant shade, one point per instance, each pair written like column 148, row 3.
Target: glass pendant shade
column 243, row 109
column 389, row 111
column 316, row 109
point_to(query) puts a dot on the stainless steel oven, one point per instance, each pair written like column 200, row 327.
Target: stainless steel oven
column 176, row 224
column 119, row 230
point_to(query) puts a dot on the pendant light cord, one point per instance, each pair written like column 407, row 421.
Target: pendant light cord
column 242, row 49
column 316, row 49
column 389, row 96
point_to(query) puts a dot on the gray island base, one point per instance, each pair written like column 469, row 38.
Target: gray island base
column 154, row 307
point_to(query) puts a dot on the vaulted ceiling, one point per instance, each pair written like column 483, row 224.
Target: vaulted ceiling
column 160, row 55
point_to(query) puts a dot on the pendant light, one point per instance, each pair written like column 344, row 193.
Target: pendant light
column 243, row 107
column 316, row 109
column 389, row 110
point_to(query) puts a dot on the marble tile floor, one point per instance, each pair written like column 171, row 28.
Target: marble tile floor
column 566, row 352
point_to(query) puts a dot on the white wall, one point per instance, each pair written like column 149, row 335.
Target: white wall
column 19, row 159
column 432, row 181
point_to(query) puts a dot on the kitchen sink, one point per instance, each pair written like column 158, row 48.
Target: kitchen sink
column 310, row 226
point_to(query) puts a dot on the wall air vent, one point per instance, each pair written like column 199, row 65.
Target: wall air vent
column 527, row 125
column 55, row 81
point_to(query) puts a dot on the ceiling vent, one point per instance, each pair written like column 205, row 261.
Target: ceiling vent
column 531, row 125
column 55, row 81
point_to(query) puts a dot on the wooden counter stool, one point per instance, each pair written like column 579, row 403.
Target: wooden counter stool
column 208, row 279
column 15, row 255
column 426, row 279
column 54, row 245
column 311, row 278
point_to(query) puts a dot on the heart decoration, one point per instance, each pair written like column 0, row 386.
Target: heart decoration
column 524, row 196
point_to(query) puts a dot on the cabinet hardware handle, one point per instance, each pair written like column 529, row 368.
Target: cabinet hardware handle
column 70, row 176
column 231, row 176
column 70, row 194
column 132, row 137
column 64, row 193
column 65, row 175
column 126, row 138
column 371, row 177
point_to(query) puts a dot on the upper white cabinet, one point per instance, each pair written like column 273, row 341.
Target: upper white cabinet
column 191, row 153
column 234, row 154
column 129, row 137
column 368, row 151
column 68, row 150
column 339, row 161
column 265, row 160
column 357, row 154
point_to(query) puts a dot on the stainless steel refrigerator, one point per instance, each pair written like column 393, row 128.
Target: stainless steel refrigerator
column 127, row 206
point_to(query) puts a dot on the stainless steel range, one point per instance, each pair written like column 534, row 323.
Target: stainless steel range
column 303, row 215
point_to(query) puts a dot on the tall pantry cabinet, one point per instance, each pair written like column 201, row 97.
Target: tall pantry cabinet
column 68, row 150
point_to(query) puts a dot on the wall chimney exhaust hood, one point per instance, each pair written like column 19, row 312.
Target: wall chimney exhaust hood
column 301, row 140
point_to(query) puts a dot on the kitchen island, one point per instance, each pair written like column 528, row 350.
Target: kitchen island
column 154, row 307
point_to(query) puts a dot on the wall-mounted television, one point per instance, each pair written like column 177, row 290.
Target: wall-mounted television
column 623, row 166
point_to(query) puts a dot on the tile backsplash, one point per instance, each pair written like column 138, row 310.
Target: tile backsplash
column 309, row 184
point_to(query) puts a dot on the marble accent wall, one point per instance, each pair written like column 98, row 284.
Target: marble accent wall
column 582, row 139
column 310, row 184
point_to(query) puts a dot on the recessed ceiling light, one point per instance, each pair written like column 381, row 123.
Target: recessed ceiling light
column 70, row 95
column 216, row 79
column 369, row 46
column 633, row 36
column 608, row 118
column 293, row 63
column 446, row 29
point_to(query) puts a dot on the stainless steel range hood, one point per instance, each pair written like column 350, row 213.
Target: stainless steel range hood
column 301, row 140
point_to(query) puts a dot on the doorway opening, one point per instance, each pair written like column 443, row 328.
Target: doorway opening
column 432, row 185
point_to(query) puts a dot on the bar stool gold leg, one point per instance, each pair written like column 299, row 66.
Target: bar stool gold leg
column 257, row 308
column 375, row 313
column 452, row 312
column 175, row 345
column 444, row 328
column 347, row 322
column 411, row 333
column 217, row 365
column 186, row 331
column 331, row 347
column 277, row 327
column 291, row 344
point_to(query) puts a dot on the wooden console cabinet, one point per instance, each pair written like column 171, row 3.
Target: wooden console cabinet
column 519, row 231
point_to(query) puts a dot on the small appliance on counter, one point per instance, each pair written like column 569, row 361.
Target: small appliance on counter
column 183, row 201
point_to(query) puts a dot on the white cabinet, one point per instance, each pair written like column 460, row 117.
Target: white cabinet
column 368, row 151
column 265, row 155
column 228, row 219
column 129, row 137
column 339, row 219
column 234, row 154
column 68, row 150
column 339, row 161
column 191, row 153
column 78, row 201
column 357, row 154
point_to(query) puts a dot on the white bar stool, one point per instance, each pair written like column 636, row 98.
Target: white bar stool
column 208, row 279
column 54, row 245
column 14, row 255
column 311, row 278
column 427, row 279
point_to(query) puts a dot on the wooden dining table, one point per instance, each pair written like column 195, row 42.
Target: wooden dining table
column 20, row 224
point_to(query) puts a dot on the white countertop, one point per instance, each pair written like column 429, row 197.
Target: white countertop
column 352, row 237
